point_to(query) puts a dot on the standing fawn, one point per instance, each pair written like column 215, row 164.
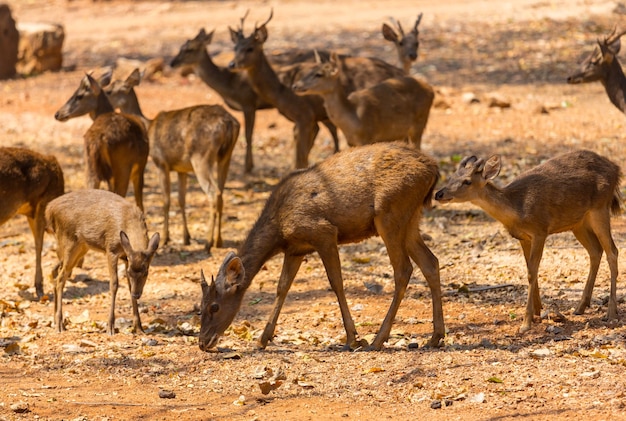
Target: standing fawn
column 116, row 146
column 233, row 87
column 575, row 191
column 602, row 65
column 102, row 221
column 395, row 109
column 198, row 139
column 406, row 44
column 28, row 181
column 304, row 111
column 377, row 189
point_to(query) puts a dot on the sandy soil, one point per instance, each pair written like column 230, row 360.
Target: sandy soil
column 521, row 50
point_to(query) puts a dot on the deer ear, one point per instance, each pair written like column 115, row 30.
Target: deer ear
column 492, row 167
column 125, row 242
column 105, row 79
column 134, row 78
column 389, row 33
column 234, row 35
column 261, row 34
column 234, row 274
column 153, row 244
column 93, row 85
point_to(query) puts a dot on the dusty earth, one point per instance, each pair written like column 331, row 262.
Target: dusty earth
column 520, row 51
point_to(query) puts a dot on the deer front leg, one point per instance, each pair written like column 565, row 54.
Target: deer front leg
column 291, row 264
column 37, row 225
column 249, row 116
column 113, row 285
column 166, row 188
column 590, row 241
column 533, row 250
column 304, row 136
column 330, row 257
column 182, row 192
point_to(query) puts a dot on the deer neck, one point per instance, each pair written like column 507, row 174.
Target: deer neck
column 216, row 77
column 615, row 85
column 103, row 106
column 266, row 83
column 341, row 111
column 261, row 244
column 497, row 203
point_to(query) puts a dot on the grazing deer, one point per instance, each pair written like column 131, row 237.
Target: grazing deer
column 406, row 44
column 116, row 145
column 395, row 109
column 233, row 87
column 119, row 231
column 602, row 65
column 198, row 139
column 304, row 111
column 28, row 181
column 575, row 191
column 378, row 189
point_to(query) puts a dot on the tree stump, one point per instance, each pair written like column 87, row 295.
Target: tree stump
column 9, row 39
column 40, row 47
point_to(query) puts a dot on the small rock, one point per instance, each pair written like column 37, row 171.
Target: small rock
column 20, row 408
column 166, row 394
column 496, row 100
column 470, row 98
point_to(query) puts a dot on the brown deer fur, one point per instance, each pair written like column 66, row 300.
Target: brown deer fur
column 28, row 181
column 377, row 189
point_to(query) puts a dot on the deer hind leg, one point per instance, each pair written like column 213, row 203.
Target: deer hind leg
column 291, row 264
column 533, row 250
column 37, row 226
column 601, row 224
column 205, row 172
column 585, row 235
column 182, row 194
column 395, row 241
column 137, row 177
column 166, row 189
column 429, row 265
column 70, row 253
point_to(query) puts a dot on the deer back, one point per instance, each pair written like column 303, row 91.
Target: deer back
column 28, row 180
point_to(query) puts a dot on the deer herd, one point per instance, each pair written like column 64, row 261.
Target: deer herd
column 377, row 187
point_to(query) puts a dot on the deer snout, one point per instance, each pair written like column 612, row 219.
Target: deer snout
column 60, row 117
column 440, row 196
column 232, row 65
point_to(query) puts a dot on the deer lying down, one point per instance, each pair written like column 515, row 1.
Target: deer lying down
column 576, row 191
column 377, row 189
column 28, row 181
column 102, row 221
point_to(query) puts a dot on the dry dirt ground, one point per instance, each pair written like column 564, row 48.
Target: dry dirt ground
column 520, row 50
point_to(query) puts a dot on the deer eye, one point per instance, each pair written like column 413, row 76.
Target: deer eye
column 401, row 43
column 319, row 74
column 467, row 182
column 214, row 308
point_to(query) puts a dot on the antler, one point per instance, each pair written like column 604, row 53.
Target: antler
column 417, row 22
column 266, row 22
column 243, row 19
column 397, row 22
column 613, row 36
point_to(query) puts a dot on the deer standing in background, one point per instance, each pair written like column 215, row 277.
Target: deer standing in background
column 305, row 111
column 575, row 191
column 377, row 189
column 395, row 109
column 28, row 181
column 233, row 87
column 406, row 44
column 198, row 139
column 602, row 65
column 99, row 220
column 116, row 145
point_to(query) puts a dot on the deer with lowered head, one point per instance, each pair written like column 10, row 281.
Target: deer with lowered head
column 377, row 189
column 406, row 44
column 233, row 87
column 576, row 191
column 28, row 182
column 395, row 109
column 100, row 220
column 602, row 65
column 198, row 139
column 116, row 145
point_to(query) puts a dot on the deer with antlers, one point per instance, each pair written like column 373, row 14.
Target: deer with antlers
column 406, row 44
column 602, row 65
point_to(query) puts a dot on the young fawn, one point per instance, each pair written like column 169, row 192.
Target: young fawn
column 378, row 189
column 116, row 145
column 99, row 220
column 28, row 181
column 198, row 139
column 575, row 191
